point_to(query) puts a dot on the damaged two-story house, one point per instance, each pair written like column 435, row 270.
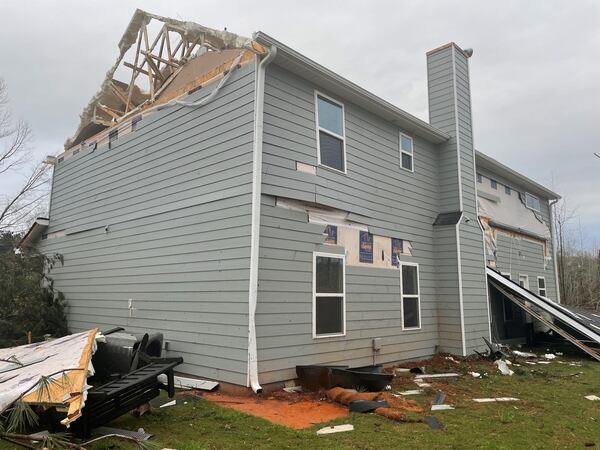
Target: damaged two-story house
column 263, row 212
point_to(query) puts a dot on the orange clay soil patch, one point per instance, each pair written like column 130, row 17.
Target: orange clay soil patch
column 301, row 413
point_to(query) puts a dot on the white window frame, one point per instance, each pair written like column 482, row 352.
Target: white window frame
column 314, row 295
column 331, row 133
column 507, row 275
column 527, row 286
column 412, row 155
column 537, row 198
column 418, row 296
column 545, row 288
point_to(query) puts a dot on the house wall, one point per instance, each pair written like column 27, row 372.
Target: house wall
column 377, row 193
column 461, row 261
column 163, row 218
column 518, row 253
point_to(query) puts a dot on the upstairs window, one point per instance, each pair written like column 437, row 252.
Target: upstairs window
column 406, row 152
column 411, row 302
column 331, row 135
column 494, row 184
column 329, row 295
column 479, row 178
column 541, row 286
column 532, row 202
column 507, row 190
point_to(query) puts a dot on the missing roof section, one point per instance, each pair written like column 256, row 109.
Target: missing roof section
column 153, row 51
column 449, row 218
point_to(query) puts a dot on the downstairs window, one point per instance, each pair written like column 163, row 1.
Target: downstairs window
column 411, row 302
column 329, row 295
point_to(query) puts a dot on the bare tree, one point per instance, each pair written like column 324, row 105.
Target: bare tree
column 18, row 208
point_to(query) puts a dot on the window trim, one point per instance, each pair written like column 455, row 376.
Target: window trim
column 524, row 275
column 418, row 296
column 507, row 275
column 412, row 155
column 330, row 294
column 545, row 288
column 318, row 94
column 537, row 198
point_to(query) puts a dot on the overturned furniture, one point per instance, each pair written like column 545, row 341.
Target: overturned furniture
column 567, row 323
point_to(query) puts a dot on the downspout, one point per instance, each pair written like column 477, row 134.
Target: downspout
column 259, row 96
column 554, row 254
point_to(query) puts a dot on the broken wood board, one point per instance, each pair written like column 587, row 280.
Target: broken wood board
column 49, row 373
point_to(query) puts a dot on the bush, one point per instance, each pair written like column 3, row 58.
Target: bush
column 28, row 300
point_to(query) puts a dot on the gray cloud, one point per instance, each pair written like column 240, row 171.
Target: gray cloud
column 535, row 71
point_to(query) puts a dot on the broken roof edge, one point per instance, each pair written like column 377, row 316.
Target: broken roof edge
column 342, row 86
column 216, row 39
column 35, row 231
column 532, row 187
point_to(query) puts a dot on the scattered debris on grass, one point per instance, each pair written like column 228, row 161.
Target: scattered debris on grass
column 475, row 374
column 139, row 435
column 503, row 367
column 497, row 399
column 336, row 429
column 437, row 375
column 592, row 397
column 411, row 392
column 441, row 407
column 524, row 354
column 433, row 422
column 166, row 405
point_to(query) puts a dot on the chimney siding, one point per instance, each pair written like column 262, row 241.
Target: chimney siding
column 463, row 313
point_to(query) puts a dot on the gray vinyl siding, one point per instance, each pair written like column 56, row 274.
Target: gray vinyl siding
column 284, row 313
column 450, row 111
column 163, row 218
column 524, row 254
column 376, row 192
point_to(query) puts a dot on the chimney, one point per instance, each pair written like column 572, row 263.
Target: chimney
column 463, row 314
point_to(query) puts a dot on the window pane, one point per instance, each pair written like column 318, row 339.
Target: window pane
column 409, row 280
column 329, row 315
column 330, row 275
column 330, row 116
column 332, row 151
column 541, row 283
column 542, row 292
column 406, row 144
column 533, row 202
column 507, row 190
column 407, row 161
column 411, row 312
column 494, row 184
column 479, row 178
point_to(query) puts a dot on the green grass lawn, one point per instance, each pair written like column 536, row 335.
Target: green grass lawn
column 552, row 413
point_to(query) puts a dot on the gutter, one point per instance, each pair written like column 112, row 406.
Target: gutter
column 259, row 96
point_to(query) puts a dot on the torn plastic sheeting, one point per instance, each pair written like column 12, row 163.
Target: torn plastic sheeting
column 65, row 362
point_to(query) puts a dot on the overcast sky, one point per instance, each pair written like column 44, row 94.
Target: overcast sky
column 535, row 72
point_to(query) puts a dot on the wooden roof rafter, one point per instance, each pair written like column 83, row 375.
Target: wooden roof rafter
column 154, row 58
